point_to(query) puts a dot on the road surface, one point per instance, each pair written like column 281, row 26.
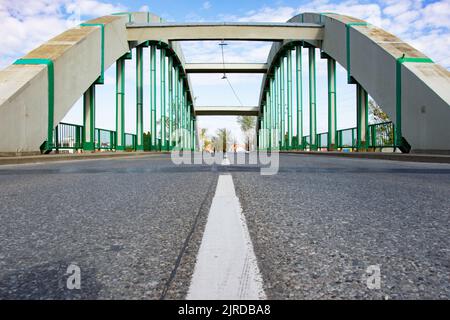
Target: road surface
column 134, row 227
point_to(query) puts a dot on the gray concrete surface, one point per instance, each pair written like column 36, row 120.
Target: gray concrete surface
column 319, row 223
column 124, row 222
column 134, row 226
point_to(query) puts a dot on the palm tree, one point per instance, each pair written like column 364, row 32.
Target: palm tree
column 247, row 124
column 222, row 139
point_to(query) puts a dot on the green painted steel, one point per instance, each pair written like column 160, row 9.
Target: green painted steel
column 67, row 136
column 312, row 98
column 289, row 98
column 170, row 100
column 153, row 96
column 105, row 139
column 47, row 146
column 362, row 117
column 101, row 78
column 139, row 98
column 347, row 42
column 283, row 104
column 332, row 122
column 163, row 97
column 120, row 103
column 299, row 89
column 400, row 141
column 89, row 119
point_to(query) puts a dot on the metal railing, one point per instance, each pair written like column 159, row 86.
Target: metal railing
column 346, row 138
column 382, row 135
column 130, row 141
column 68, row 136
column 105, row 139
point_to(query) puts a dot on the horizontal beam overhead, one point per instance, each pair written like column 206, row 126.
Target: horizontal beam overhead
column 224, row 31
column 226, row 111
column 227, row 67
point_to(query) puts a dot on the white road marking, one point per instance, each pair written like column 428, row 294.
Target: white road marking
column 226, row 266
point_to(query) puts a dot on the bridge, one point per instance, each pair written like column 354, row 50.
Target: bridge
column 141, row 226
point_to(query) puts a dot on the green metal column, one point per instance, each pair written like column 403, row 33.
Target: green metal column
column 163, row 96
column 283, row 104
column 120, row 104
column 289, row 98
column 298, row 60
column 153, row 96
column 331, row 63
column 362, row 111
column 270, row 119
column 312, row 99
column 139, row 99
column 170, row 97
column 89, row 119
column 280, row 108
column 176, row 104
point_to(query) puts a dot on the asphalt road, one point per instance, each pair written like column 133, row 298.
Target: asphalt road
column 134, row 226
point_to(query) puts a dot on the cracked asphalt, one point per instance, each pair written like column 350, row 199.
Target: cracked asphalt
column 134, row 225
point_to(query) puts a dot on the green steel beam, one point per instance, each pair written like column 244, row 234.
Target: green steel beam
column 170, row 97
column 162, row 66
column 331, row 64
column 283, row 104
column 120, row 104
column 362, row 118
column 289, row 98
column 153, row 96
column 89, row 119
column 298, row 56
column 312, row 99
column 139, row 99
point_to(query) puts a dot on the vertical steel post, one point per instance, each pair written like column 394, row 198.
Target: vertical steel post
column 153, row 96
column 312, row 99
column 283, row 104
column 331, row 63
column 89, row 119
column 163, row 96
column 139, row 99
column 170, row 97
column 120, row 104
column 362, row 106
column 299, row 80
column 289, row 98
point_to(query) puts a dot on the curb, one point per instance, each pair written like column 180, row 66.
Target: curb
column 430, row 158
column 65, row 157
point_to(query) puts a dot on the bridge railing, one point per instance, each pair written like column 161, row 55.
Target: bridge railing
column 68, row 136
column 105, row 139
column 382, row 135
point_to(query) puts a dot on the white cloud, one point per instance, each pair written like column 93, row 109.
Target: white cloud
column 26, row 24
column 206, row 5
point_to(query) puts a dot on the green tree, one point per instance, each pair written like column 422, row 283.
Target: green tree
column 222, row 139
column 247, row 124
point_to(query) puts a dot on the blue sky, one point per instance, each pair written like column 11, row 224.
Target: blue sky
column 26, row 24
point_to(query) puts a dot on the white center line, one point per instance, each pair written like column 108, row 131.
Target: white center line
column 226, row 266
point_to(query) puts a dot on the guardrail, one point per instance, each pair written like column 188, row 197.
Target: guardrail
column 69, row 136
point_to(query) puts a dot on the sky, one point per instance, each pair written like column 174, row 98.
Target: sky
column 26, row 24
